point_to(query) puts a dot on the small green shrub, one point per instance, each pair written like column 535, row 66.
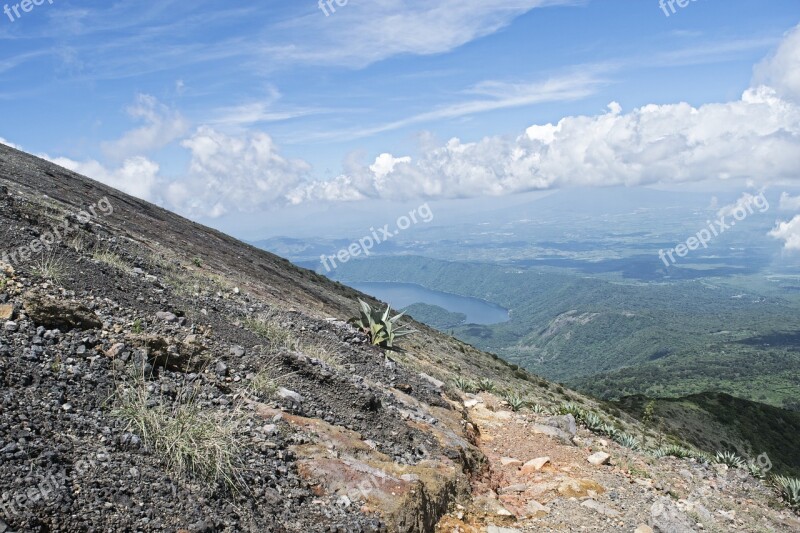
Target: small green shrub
column 673, row 451
column 464, row 384
column 628, row 441
column 730, row 459
column 383, row 329
column 515, row 402
column 789, row 489
column 593, row 422
column 486, row 385
column 570, row 408
column 539, row 409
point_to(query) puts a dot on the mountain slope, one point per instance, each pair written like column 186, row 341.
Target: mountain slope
column 158, row 375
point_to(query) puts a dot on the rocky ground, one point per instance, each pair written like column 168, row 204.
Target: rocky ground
column 574, row 480
column 160, row 376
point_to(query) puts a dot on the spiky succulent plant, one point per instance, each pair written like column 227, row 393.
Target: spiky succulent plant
column 382, row 328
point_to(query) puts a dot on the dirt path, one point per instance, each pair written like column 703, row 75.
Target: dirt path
column 538, row 482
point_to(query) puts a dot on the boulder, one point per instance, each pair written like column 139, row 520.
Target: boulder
column 665, row 517
column 565, row 423
column 534, row 465
column 6, row 311
column 601, row 508
column 599, row 458
column 536, row 509
column 59, row 314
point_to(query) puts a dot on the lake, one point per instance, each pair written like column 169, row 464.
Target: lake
column 400, row 295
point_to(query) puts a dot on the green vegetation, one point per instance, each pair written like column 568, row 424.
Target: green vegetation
column 730, row 459
column 268, row 326
column 789, row 489
column 614, row 337
column 719, row 422
column 191, row 440
column 49, row 267
column 486, row 385
column 514, row 401
column 383, row 329
column 673, row 451
column 465, row 385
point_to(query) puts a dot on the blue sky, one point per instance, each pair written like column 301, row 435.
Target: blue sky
column 226, row 112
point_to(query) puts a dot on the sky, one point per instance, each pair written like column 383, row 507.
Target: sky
column 260, row 118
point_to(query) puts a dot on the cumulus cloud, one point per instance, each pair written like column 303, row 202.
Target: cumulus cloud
column 138, row 176
column 789, row 232
column 789, row 202
column 162, row 125
column 781, row 70
column 234, row 173
column 757, row 136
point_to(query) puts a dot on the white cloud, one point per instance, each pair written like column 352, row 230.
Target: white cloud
column 755, row 137
column 162, row 126
column 782, row 69
column 789, row 202
column 138, row 176
column 495, row 95
column 9, row 143
column 789, row 232
column 234, row 173
column 360, row 33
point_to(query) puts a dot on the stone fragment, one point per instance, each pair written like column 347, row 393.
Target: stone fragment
column 599, row 458
column 534, row 465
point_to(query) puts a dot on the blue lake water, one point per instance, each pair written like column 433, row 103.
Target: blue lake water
column 400, row 295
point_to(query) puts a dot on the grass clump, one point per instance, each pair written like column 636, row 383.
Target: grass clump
column 109, row 257
column 280, row 338
column 193, row 442
column 50, row 268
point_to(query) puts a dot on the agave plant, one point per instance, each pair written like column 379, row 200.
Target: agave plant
column 465, row 384
column 628, row 441
column 730, row 459
column 609, row 430
column 756, row 471
column 515, row 401
column 593, row 422
column 672, row 451
column 539, row 409
column 382, row 328
column 573, row 409
column 486, row 385
column 789, row 489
